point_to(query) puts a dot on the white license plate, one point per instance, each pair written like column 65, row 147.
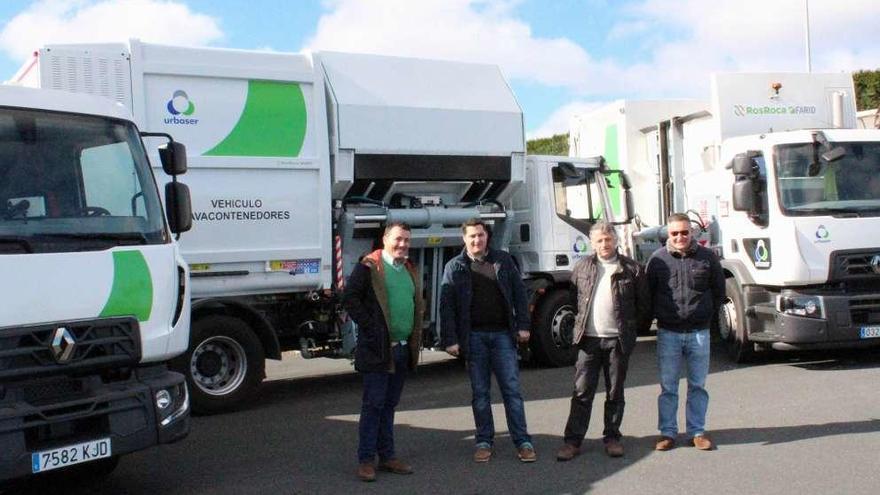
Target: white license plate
column 869, row 332
column 48, row 460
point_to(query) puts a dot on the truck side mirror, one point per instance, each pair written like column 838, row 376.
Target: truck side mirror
column 744, row 165
column 628, row 202
column 744, row 195
column 834, row 154
column 178, row 207
column 624, row 181
column 173, row 157
column 629, row 208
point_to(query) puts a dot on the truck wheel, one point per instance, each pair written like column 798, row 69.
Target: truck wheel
column 732, row 325
column 552, row 336
column 224, row 364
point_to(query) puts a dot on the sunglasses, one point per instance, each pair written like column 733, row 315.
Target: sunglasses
column 682, row 233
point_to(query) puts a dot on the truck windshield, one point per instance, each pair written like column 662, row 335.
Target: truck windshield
column 847, row 186
column 73, row 182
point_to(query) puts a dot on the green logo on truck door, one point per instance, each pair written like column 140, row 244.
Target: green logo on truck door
column 273, row 123
column 132, row 292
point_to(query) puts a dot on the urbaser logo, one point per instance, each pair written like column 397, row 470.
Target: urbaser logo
column 180, row 107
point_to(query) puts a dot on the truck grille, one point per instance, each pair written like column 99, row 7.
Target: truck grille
column 856, row 264
column 55, row 348
column 864, row 310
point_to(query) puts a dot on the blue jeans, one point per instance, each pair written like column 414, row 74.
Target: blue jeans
column 495, row 352
column 672, row 349
column 381, row 395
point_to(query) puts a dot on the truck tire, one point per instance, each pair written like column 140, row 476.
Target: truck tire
column 224, row 364
column 553, row 331
column 732, row 325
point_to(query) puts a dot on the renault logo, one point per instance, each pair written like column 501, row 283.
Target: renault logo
column 63, row 345
column 875, row 263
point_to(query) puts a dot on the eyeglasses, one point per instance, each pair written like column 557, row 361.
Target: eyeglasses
column 682, row 233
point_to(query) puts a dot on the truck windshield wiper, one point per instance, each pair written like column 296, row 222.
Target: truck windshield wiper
column 21, row 241
column 829, row 211
column 98, row 236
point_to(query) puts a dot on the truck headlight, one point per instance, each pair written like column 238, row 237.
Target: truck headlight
column 163, row 399
column 807, row 306
column 172, row 403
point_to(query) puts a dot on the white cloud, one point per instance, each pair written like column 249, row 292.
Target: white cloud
column 628, row 29
column 749, row 35
column 87, row 21
column 466, row 30
column 558, row 121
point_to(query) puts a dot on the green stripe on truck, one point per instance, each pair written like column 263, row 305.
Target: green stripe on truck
column 612, row 158
column 132, row 292
column 273, row 123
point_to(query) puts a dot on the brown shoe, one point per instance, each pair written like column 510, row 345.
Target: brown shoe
column 567, row 452
column 664, row 443
column 526, row 453
column 366, row 472
column 614, row 448
column 702, row 442
column 483, row 454
column 395, row 466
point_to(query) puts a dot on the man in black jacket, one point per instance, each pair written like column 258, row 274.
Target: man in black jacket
column 383, row 296
column 484, row 313
column 687, row 289
column 613, row 306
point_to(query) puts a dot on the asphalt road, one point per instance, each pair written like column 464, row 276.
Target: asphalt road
column 807, row 424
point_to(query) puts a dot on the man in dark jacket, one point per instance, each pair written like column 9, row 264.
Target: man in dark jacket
column 383, row 296
column 484, row 313
column 613, row 306
column 687, row 289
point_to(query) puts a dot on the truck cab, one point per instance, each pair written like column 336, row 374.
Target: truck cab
column 801, row 239
column 95, row 291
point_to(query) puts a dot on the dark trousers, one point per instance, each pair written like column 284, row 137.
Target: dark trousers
column 381, row 395
column 597, row 354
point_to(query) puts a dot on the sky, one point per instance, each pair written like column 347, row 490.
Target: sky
column 561, row 57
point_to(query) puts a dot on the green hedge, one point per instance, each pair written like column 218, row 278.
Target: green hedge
column 555, row 145
column 867, row 83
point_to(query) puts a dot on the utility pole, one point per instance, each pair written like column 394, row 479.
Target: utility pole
column 807, row 31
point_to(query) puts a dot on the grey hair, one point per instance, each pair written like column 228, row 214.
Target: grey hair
column 603, row 227
column 678, row 217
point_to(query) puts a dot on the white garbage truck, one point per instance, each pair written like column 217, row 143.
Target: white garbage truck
column 95, row 291
column 785, row 189
column 298, row 161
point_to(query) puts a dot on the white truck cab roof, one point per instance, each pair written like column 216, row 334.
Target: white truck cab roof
column 61, row 101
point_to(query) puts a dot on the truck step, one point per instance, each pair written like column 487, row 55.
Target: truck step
column 763, row 337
